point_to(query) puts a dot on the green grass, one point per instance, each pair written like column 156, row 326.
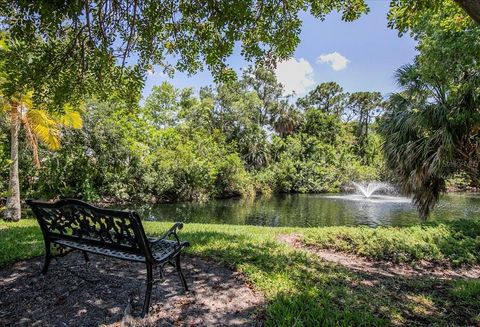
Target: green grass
column 466, row 290
column 455, row 243
column 302, row 290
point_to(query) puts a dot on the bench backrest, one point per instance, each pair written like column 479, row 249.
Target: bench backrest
column 78, row 221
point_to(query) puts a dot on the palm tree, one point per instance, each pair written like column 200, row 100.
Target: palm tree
column 253, row 146
column 286, row 119
column 431, row 132
column 38, row 125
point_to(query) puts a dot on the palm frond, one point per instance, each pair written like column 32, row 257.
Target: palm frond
column 45, row 128
column 426, row 129
column 70, row 117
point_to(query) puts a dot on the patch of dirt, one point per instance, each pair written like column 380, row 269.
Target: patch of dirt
column 110, row 292
column 355, row 262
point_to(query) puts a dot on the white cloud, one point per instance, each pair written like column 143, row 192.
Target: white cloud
column 152, row 72
column 334, row 59
column 295, row 75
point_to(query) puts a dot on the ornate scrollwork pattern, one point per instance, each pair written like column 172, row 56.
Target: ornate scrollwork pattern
column 71, row 224
column 86, row 223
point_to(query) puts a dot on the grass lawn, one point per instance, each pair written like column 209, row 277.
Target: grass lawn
column 302, row 290
column 454, row 242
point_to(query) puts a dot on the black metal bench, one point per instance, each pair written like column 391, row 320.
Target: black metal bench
column 71, row 224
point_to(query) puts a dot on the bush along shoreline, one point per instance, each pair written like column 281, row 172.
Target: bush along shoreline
column 195, row 145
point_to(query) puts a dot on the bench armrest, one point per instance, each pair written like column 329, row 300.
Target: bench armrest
column 170, row 232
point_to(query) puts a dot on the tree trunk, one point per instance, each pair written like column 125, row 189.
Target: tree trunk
column 13, row 210
column 471, row 7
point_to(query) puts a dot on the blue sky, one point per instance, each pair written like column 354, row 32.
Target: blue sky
column 360, row 56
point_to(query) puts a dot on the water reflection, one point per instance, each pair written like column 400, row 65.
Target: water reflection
column 307, row 210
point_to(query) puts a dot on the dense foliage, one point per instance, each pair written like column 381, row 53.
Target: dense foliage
column 239, row 138
column 64, row 49
column 65, row 52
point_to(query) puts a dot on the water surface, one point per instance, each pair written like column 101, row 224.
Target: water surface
column 309, row 210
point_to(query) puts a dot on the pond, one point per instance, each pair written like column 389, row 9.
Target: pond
column 310, row 210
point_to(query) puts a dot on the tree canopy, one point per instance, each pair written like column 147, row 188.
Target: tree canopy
column 64, row 50
column 237, row 138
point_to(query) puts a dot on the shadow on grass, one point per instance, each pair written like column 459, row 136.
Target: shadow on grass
column 302, row 290
column 449, row 242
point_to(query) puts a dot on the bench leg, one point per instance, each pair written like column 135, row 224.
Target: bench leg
column 48, row 258
column 180, row 273
column 85, row 256
column 148, row 292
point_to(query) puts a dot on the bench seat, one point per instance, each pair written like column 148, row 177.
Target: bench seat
column 161, row 250
column 76, row 225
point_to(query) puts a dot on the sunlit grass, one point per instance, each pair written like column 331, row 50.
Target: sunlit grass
column 301, row 289
column 467, row 290
column 20, row 240
column 455, row 242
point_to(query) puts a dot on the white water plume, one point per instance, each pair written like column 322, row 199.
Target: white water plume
column 367, row 189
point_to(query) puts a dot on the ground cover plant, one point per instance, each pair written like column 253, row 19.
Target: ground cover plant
column 454, row 243
column 301, row 289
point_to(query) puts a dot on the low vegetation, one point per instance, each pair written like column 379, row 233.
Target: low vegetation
column 303, row 290
column 455, row 243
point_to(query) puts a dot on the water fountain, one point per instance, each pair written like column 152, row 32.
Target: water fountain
column 372, row 202
column 372, row 193
column 367, row 189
